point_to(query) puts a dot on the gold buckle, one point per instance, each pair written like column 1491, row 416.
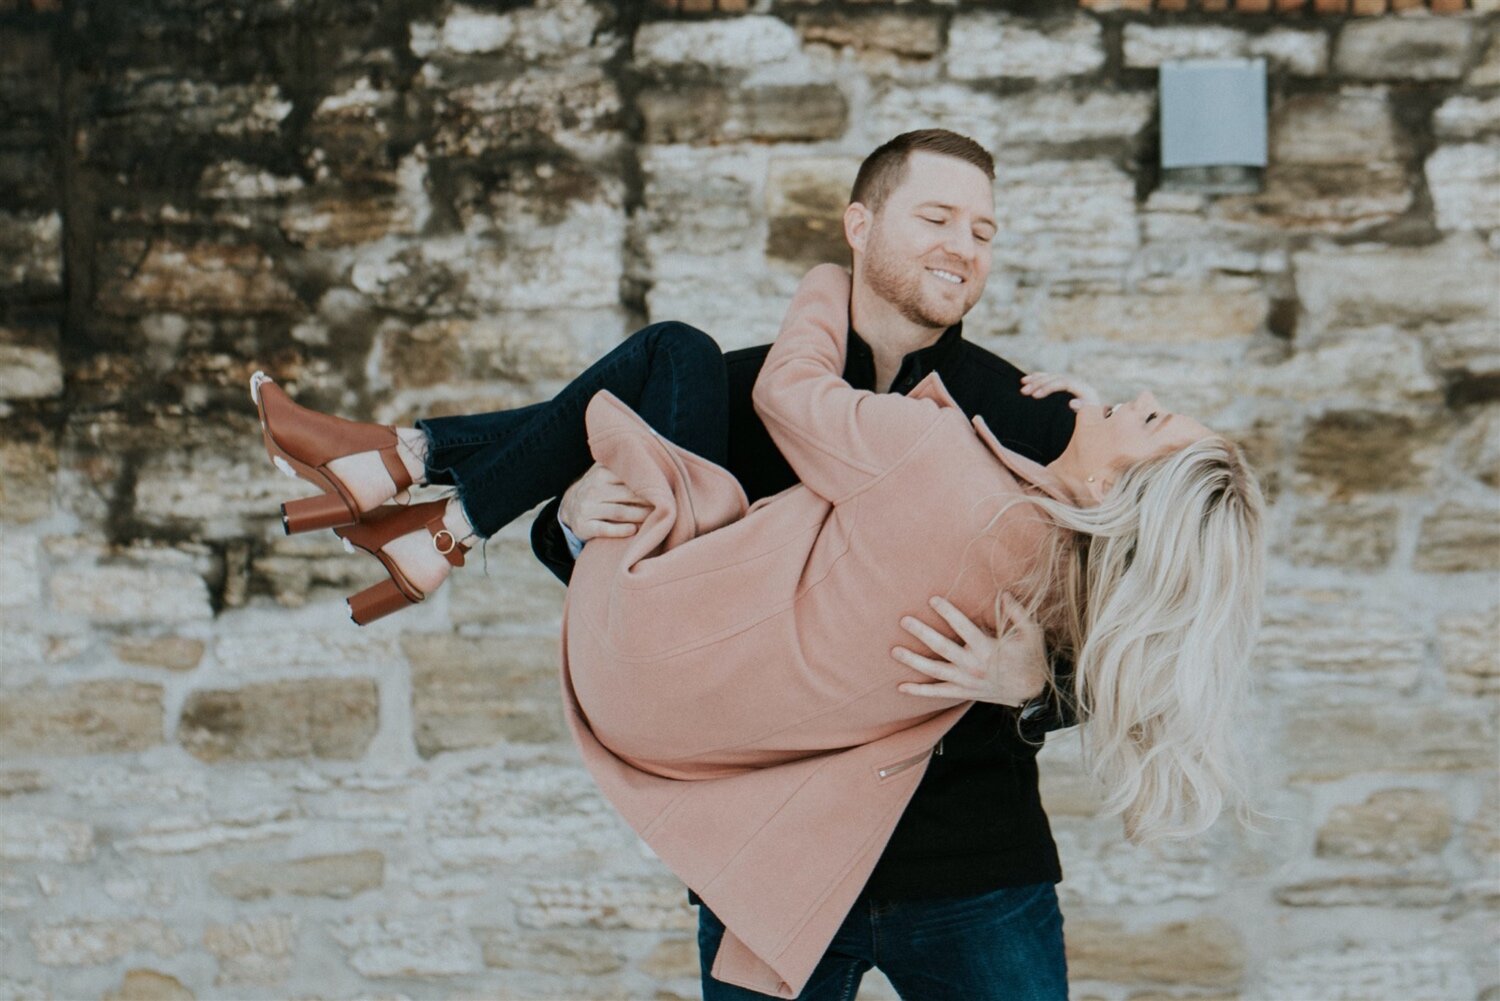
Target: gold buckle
column 452, row 542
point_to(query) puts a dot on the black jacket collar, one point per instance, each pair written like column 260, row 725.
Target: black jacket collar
column 859, row 360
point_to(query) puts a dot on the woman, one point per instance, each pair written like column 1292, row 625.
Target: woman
column 726, row 667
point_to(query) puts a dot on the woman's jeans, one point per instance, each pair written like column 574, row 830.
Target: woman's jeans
column 507, row 462
column 1006, row 945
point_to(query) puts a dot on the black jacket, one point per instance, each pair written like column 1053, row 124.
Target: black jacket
column 975, row 822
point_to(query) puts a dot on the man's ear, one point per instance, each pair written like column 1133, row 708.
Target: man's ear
column 857, row 221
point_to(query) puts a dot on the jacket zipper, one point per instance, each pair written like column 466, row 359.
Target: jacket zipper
column 904, row 764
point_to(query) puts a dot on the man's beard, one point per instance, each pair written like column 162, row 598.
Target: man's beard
column 903, row 289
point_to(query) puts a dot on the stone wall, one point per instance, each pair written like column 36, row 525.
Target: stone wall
column 212, row 785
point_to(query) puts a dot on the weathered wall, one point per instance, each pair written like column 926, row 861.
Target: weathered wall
column 212, row 784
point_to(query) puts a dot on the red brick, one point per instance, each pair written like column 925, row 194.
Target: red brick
column 1406, row 4
column 1449, row 6
column 1171, row 5
column 1331, row 6
column 1366, row 7
column 1214, row 5
column 1252, row 6
column 1290, row 5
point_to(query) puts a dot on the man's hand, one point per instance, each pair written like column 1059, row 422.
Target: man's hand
column 1009, row 671
column 1040, row 384
column 600, row 505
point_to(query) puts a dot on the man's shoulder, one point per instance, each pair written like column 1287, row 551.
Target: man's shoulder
column 752, row 356
column 971, row 354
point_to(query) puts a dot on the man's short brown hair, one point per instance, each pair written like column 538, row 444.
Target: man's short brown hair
column 885, row 169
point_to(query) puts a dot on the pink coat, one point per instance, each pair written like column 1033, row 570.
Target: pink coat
column 727, row 669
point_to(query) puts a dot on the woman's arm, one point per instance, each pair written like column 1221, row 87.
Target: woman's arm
column 836, row 438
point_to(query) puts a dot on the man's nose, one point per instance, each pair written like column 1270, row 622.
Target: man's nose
column 961, row 243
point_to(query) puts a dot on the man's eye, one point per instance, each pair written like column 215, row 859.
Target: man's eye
column 932, row 220
column 1110, row 410
column 1150, row 417
column 982, row 238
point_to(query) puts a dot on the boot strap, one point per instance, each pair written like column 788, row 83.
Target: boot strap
column 445, row 542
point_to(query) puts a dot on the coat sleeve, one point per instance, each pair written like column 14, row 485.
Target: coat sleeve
column 836, row 438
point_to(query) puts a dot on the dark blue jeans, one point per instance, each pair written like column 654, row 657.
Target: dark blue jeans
column 506, row 462
column 1006, row 945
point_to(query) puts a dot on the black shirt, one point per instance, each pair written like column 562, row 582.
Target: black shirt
column 975, row 822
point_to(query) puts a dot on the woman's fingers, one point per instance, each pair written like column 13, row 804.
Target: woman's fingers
column 935, row 690
column 968, row 631
column 934, row 640
column 941, row 670
column 1017, row 614
column 1042, row 384
column 606, row 529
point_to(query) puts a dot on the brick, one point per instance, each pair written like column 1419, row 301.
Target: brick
column 1428, row 287
column 1366, row 8
column 1168, row 317
column 1460, row 537
column 1318, row 639
column 316, row 717
column 1287, row 6
column 30, row 366
column 1353, row 536
column 120, row 594
column 1392, row 825
column 174, row 653
column 337, row 876
column 1449, row 6
column 904, row 35
column 805, row 199
column 86, row 943
column 740, row 44
column 1151, row 45
column 996, row 46
column 1329, row 743
column 1465, row 184
column 1205, row 951
column 256, row 953
column 1404, row 49
column 1469, row 652
column 571, row 953
column 141, row 277
column 603, row 903
column 90, row 717
column 477, row 692
column 1465, row 117
column 1252, row 6
column 765, row 112
column 406, row 945
column 1331, row 6
column 1366, row 451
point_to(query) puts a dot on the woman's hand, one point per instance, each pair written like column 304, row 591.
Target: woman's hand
column 1040, row 384
column 600, row 505
column 1008, row 671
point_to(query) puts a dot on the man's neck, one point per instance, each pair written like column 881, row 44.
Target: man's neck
column 891, row 335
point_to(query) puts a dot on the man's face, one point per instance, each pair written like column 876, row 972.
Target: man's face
column 928, row 249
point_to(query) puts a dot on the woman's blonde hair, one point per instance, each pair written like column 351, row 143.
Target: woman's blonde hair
column 1155, row 594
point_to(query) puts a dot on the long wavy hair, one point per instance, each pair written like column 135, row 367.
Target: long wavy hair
column 1155, row 595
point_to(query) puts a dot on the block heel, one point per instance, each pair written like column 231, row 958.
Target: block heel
column 372, row 533
column 377, row 601
column 312, row 513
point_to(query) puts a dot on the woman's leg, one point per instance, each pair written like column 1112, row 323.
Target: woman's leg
column 508, row 462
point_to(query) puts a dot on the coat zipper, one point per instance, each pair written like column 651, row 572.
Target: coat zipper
column 904, row 764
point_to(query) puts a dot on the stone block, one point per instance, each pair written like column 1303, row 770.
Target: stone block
column 805, row 199
column 343, row 222
column 1487, row 70
column 338, row 876
column 1465, row 352
column 579, row 110
column 1463, row 116
column 1366, row 368
column 88, row 943
column 1104, row 871
column 316, row 717
column 1205, row 951
column 28, row 475
column 1168, row 317
column 1148, row 46
column 1362, row 451
column 1351, row 127
column 89, row 717
column 1404, row 49
column 1313, row 638
column 1354, row 970
column 1041, row 117
column 17, row 782
column 1465, row 184
column 30, row 368
column 742, row 43
column 569, row 954
column 147, row 107
column 1479, row 448
column 256, row 953
column 174, row 653
column 983, row 46
column 29, row 837
column 473, row 692
column 139, row 277
column 1391, row 825
column 1386, row 890
column 31, row 252
column 121, row 594
column 551, row 31
column 1065, row 220
column 768, row 112
column 1324, row 199
column 881, row 33
column 196, row 832
column 1185, row 384
column 1460, row 537
column 604, row 904
column 237, row 181
column 407, row 945
column 1333, row 742
column 1469, row 645
column 140, row 984
column 1291, row 50
column 1354, row 535
column 1423, row 287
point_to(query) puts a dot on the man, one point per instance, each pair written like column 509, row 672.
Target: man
column 962, row 903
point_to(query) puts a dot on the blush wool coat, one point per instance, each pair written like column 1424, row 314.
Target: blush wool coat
column 727, row 670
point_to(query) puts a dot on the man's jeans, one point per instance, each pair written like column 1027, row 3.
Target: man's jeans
column 506, row 462
column 1006, row 945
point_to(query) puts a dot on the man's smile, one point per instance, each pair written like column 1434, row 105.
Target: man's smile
column 947, row 276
